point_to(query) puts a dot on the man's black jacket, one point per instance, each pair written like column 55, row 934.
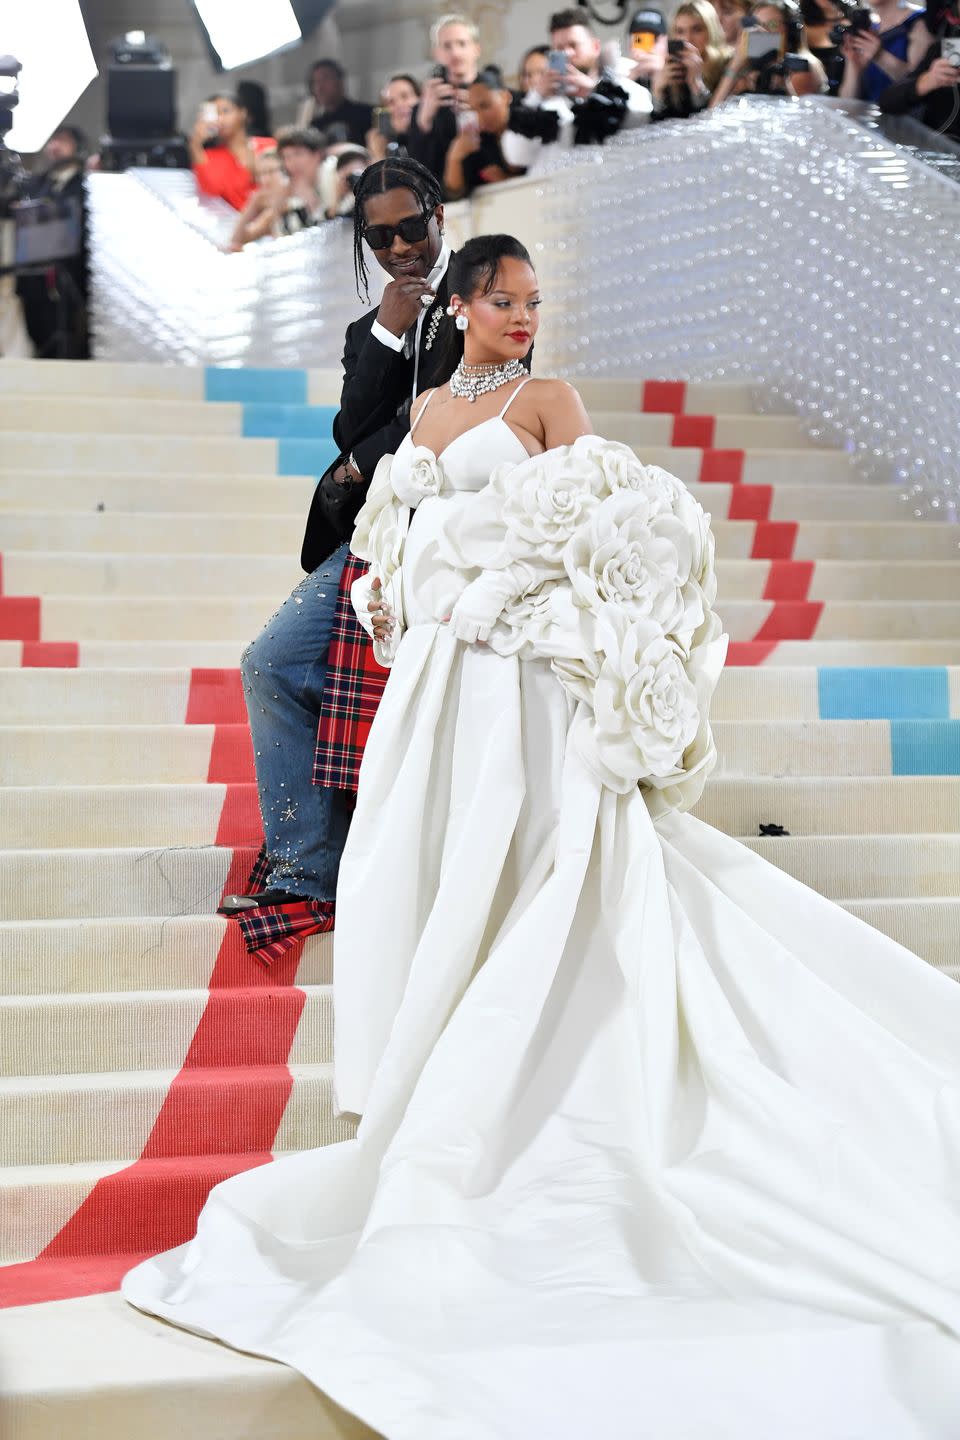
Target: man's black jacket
column 374, row 416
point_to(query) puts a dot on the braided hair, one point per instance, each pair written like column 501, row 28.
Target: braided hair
column 397, row 172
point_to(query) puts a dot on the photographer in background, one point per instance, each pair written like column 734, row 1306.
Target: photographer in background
column 532, row 67
column 222, row 152
column 697, row 58
column 773, row 57
column 888, row 51
column 476, row 157
column 455, row 42
column 932, row 92
column 392, row 121
column 573, row 37
column 301, row 155
column 55, row 301
column 327, row 108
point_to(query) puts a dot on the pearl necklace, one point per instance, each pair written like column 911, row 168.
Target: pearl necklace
column 469, row 382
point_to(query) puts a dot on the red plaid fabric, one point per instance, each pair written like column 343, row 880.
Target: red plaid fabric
column 257, row 879
column 351, row 693
column 272, row 929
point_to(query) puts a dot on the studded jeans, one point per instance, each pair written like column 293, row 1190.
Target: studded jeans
column 304, row 825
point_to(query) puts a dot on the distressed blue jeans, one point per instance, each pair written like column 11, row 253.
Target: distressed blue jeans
column 284, row 669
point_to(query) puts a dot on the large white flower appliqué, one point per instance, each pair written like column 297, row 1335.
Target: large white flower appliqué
column 645, row 708
column 630, row 556
column 546, row 499
column 419, row 479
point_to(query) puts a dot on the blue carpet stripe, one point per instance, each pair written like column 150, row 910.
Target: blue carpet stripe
column 884, row 693
column 285, row 387
column 293, row 422
column 925, row 747
column 305, row 457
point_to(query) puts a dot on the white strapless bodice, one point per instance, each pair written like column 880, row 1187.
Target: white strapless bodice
column 431, row 484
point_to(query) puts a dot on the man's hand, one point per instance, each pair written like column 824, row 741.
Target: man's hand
column 346, row 475
column 400, row 304
column 940, row 76
column 435, row 95
column 577, row 85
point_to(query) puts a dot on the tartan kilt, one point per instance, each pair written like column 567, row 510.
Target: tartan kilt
column 351, row 693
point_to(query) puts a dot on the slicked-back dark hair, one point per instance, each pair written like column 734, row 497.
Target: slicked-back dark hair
column 397, row 172
column 473, row 271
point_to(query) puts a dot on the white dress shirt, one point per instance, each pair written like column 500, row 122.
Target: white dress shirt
column 409, row 342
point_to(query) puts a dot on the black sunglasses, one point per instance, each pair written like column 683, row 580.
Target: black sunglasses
column 411, row 231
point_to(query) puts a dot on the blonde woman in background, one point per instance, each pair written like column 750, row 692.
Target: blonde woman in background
column 689, row 77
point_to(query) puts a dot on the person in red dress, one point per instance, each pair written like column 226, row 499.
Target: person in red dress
column 222, row 151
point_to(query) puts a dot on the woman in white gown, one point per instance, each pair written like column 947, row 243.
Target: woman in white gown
column 656, row 1142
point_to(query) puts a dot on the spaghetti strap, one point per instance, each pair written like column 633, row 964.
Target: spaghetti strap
column 430, row 395
column 510, row 399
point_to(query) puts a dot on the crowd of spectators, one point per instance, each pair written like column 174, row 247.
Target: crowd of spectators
column 472, row 126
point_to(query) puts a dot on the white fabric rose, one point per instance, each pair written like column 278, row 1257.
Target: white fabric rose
column 618, row 464
column 645, row 709
column 626, row 556
column 703, row 670
column 546, row 499
column 419, row 479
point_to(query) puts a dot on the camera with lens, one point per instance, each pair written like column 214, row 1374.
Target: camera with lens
column 856, row 20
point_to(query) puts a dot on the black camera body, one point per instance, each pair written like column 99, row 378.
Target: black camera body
column 856, row 20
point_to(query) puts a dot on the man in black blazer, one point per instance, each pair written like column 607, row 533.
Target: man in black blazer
column 390, row 355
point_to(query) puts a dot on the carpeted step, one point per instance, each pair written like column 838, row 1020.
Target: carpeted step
column 797, row 691
column 77, row 956
column 52, row 574
column 145, row 381
column 835, row 805
column 160, row 454
column 719, row 432
column 759, row 467
column 64, row 1119
column 930, row 928
column 867, row 867
column 96, row 1369
column 90, row 503
column 44, row 539
column 98, row 415
column 847, row 505
column 753, row 620
column 837, row 747
column 181, row 754
column 62, row 884
column 152, row 1029
column 99, row 816
column 239, row 618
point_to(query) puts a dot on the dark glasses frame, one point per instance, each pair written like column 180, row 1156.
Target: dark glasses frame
column 412, row 230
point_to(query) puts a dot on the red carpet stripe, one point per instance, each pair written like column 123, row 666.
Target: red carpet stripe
column 50, row 654
column 231, row 755
column 216, row 698
column 788, row 580
column 774, row 540
column 220, row 1116
column 723, row 467
column 693, row 431
column 19, row 617
column 240, row 822
column 750, row 652
column 750, row 502
column 664, row 397
column 791, row 620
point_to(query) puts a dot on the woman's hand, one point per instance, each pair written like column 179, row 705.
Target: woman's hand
column 860, row 47
column 692, row 63
column 670, row 76
column 384, row 622
column 466, row 143
column 940, row 76
column 377, row 144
